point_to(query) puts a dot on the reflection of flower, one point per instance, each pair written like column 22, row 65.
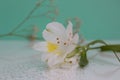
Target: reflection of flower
column 59, row 42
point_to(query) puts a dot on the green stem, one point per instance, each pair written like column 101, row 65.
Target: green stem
column 93, row 48
column 114, row 48
column 106, row 47
column 96, row 41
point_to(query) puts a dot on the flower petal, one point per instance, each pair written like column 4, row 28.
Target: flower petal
column 55, row 28
column 54, row 60
column 53, row 31
column 73, row 43
column 45, row 56
column 70, row 48
column 69, row 30
column 48, row 36
column 41, row 46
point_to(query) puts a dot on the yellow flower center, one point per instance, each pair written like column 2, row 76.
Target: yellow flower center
column 51, row 47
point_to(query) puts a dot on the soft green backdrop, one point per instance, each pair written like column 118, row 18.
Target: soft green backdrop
column 100, row 18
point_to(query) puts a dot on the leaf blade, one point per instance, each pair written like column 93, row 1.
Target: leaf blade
column 114, row 47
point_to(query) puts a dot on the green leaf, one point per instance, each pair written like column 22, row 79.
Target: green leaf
column 83, row 60
column 114, row 47
column 106, row 47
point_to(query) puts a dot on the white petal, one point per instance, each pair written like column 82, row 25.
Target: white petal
column 70, row 48
column 54, row 60
column 73, row 43
column 56, row 28
column 69, row 30
column 49, row 36
column 41, row 46
column 75, row 39
column 45, row 56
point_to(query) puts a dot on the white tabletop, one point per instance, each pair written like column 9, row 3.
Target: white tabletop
column 18, row 61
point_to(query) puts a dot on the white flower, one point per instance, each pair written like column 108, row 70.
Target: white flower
column 58, row 43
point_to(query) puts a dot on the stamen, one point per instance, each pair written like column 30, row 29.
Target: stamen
column 70, row 61
column 65, row 43
column 57, row 38
column 58, row 42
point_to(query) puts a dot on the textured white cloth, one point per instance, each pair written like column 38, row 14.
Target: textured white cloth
column 27, row 65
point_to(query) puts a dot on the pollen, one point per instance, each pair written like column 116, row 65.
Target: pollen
column 51, row 47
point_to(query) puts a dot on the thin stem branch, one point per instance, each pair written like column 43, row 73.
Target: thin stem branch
column 25, row 19
column 28, row 16
column 13, row 32
column 41, row 15
column 3, row 35
column 19, row 35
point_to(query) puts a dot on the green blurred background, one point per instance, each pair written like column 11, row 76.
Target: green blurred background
column 100, row 18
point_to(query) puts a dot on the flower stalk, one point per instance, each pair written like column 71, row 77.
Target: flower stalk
column 105, row 47
column 82, row 51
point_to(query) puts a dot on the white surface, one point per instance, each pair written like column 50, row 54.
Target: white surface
column 19, row 62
